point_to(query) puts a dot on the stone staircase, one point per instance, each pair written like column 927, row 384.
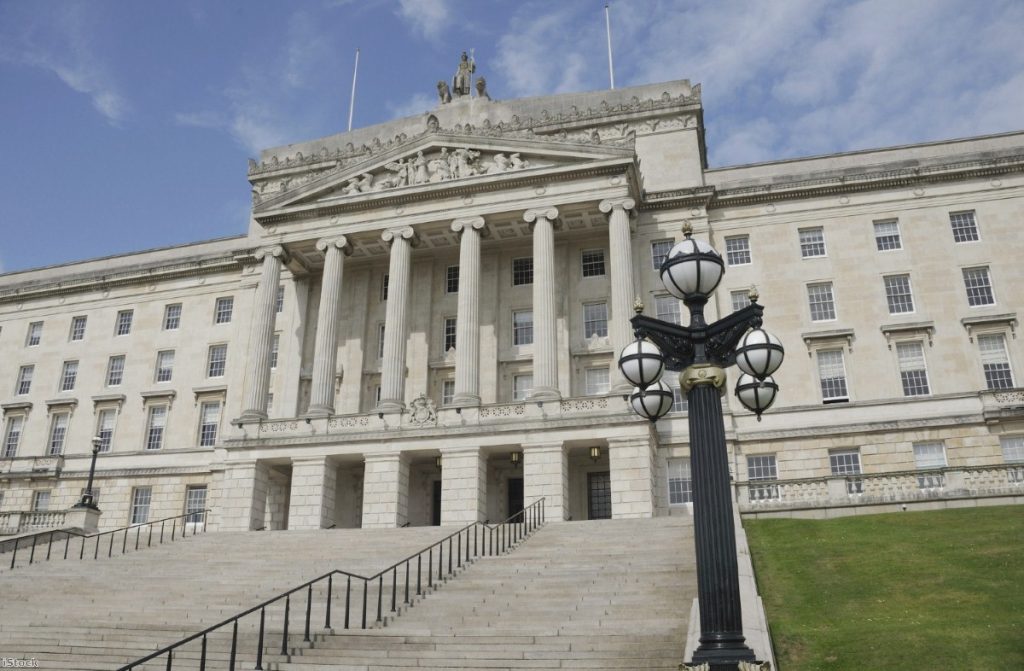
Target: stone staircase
column 592, row 595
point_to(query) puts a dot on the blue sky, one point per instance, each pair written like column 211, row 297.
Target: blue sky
column 126, row 125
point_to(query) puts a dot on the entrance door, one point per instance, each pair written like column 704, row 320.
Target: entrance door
column 599, row 495
column 515, row 496
column 435, row 513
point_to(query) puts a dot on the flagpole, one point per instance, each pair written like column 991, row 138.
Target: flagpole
column 352, row 99
column 608, row 28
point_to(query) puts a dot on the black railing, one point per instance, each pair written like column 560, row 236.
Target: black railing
column 67, row 544
column 396, row 586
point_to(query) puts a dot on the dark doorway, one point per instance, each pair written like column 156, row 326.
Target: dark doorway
column 599, row 495
column 515, row 496
column 435, row 513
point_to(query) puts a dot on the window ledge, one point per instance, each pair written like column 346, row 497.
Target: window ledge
column 62, row 402
column 14, row 407
column 1009, row 319
column 826, row 336
column 168, row 394
column 889, row 330
column 119, row 399
column 210, row 390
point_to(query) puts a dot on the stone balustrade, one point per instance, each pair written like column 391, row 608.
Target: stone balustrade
column 904, row 487
column 16, row 522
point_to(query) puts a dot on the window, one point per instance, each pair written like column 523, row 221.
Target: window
column 124, row 322
column 275, row 346
column 24, row 384
column 740, row 299
column 141, row 499
column 449, row 333
column 195, row 504
column 68, row 376
column 216, row 361
column 846, row 463
column 279, row 300
column 172, row 316
column 164, row 365
column 812, row 242
column 270, row 401
column 913, row 373
column 597, row 381
column 522, row 327
column 822, row 303
column 760, row 468
column 12, row 436
column 77, row 329
column 522, row 385
column 887, row 235
column 995, row 361
column 737, row 250
column 593, row 263
column 1013, row 449
column 979, row 286
column 58, row 432
column 41, row 501
column 384, row 287
column 595, row 320
column 380, row 341
column 898, row 294
column 209, row 420
column 929, row 456
column 679, row 400
column 659, row 252
column 666, row 308
column 115, row 370
column 965, row 228
column 223, row 309
column 451, row 280
column 155, row 427
column 447, row 392
column 105, row 428
column 680, row 482
column 522, row 271
column 34, row 335
column 832, row 375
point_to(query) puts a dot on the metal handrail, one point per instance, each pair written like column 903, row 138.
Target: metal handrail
column 491, row 540
column 67, row 534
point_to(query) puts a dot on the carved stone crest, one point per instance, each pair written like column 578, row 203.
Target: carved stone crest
column 422, row 411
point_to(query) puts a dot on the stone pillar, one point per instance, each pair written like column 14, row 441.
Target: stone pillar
column 311, row 505
column 262, row 334
column 632, row 465
column 463, row 485
column 546, row 474
column 620, row 250
column 325, row 355
column 545, row 337
column 467, row 326
column 242, row 499
column 392, row 375
column 386, row 491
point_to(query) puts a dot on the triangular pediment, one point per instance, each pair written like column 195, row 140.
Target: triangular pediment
column 435, row 162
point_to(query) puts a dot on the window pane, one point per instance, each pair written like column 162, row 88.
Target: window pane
column 995, row 361
column 223, row 310
column 822, row 303
column 124, row 323
column 522, row 271
column 155, row 430
column 680, row 482
column 659, row 252
column 832, row 374
column 69, row 375
column 13, row 435
column 760, row 468
column 521, row 387
column 24, row 384
column 887, row 235
column 898, row 294
column 58, row 431
column 172, row 316
column 115, row 371
column 812, row 242
column 1013, row 449
column 78, row 328
column 209, row 420
column 522, row 327
column 737, row 250
column 595, row 320
column 451, row 284
column 195, row 504
column 740, row 299
column 593, row 263
column 450, row 329
column 217, row 361
column 979, row 286
column 447, row 392
column 105, row 429
column 141, row 499
column 164, row 366
column 912, row 368
column 667, row 309
column 34, row 335
column 597, row 381
column 965, row 228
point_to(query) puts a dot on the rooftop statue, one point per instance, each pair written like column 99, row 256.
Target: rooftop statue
column 443, row 92
column 462, row 81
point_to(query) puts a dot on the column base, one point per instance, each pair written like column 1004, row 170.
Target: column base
column 544, row 394
column 319, row 411
column 390, row 407
column 465, row 401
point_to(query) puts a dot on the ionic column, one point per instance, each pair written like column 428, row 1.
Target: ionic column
column 545, row 339
column 621, row 257
column 263, row 315
column 467, row 325
column 392, row 375
column 325, row 354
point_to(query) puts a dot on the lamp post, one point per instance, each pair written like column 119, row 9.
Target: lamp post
column 88, row 500
column 702, row 352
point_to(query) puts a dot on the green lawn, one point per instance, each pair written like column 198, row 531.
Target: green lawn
column 905, row 591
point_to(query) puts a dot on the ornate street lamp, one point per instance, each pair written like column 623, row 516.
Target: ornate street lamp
column 88, row 500
column 702, row 352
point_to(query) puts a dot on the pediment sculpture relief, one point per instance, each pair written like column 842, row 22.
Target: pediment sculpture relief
column 446, row 164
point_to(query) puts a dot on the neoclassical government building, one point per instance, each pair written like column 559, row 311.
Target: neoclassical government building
column 421, row 326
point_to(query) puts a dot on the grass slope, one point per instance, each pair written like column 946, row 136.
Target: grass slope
column 915, row 590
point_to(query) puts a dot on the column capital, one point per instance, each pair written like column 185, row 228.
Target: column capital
column 276, row 251
column 404, row 232
column 464, row 224
column 609, row 204
column 533, row 214
column 339, row 241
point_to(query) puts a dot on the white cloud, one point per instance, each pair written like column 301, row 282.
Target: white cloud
column 427, row 17
column 417, row 104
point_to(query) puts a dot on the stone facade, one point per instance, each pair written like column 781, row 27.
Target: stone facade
column 415, row 302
